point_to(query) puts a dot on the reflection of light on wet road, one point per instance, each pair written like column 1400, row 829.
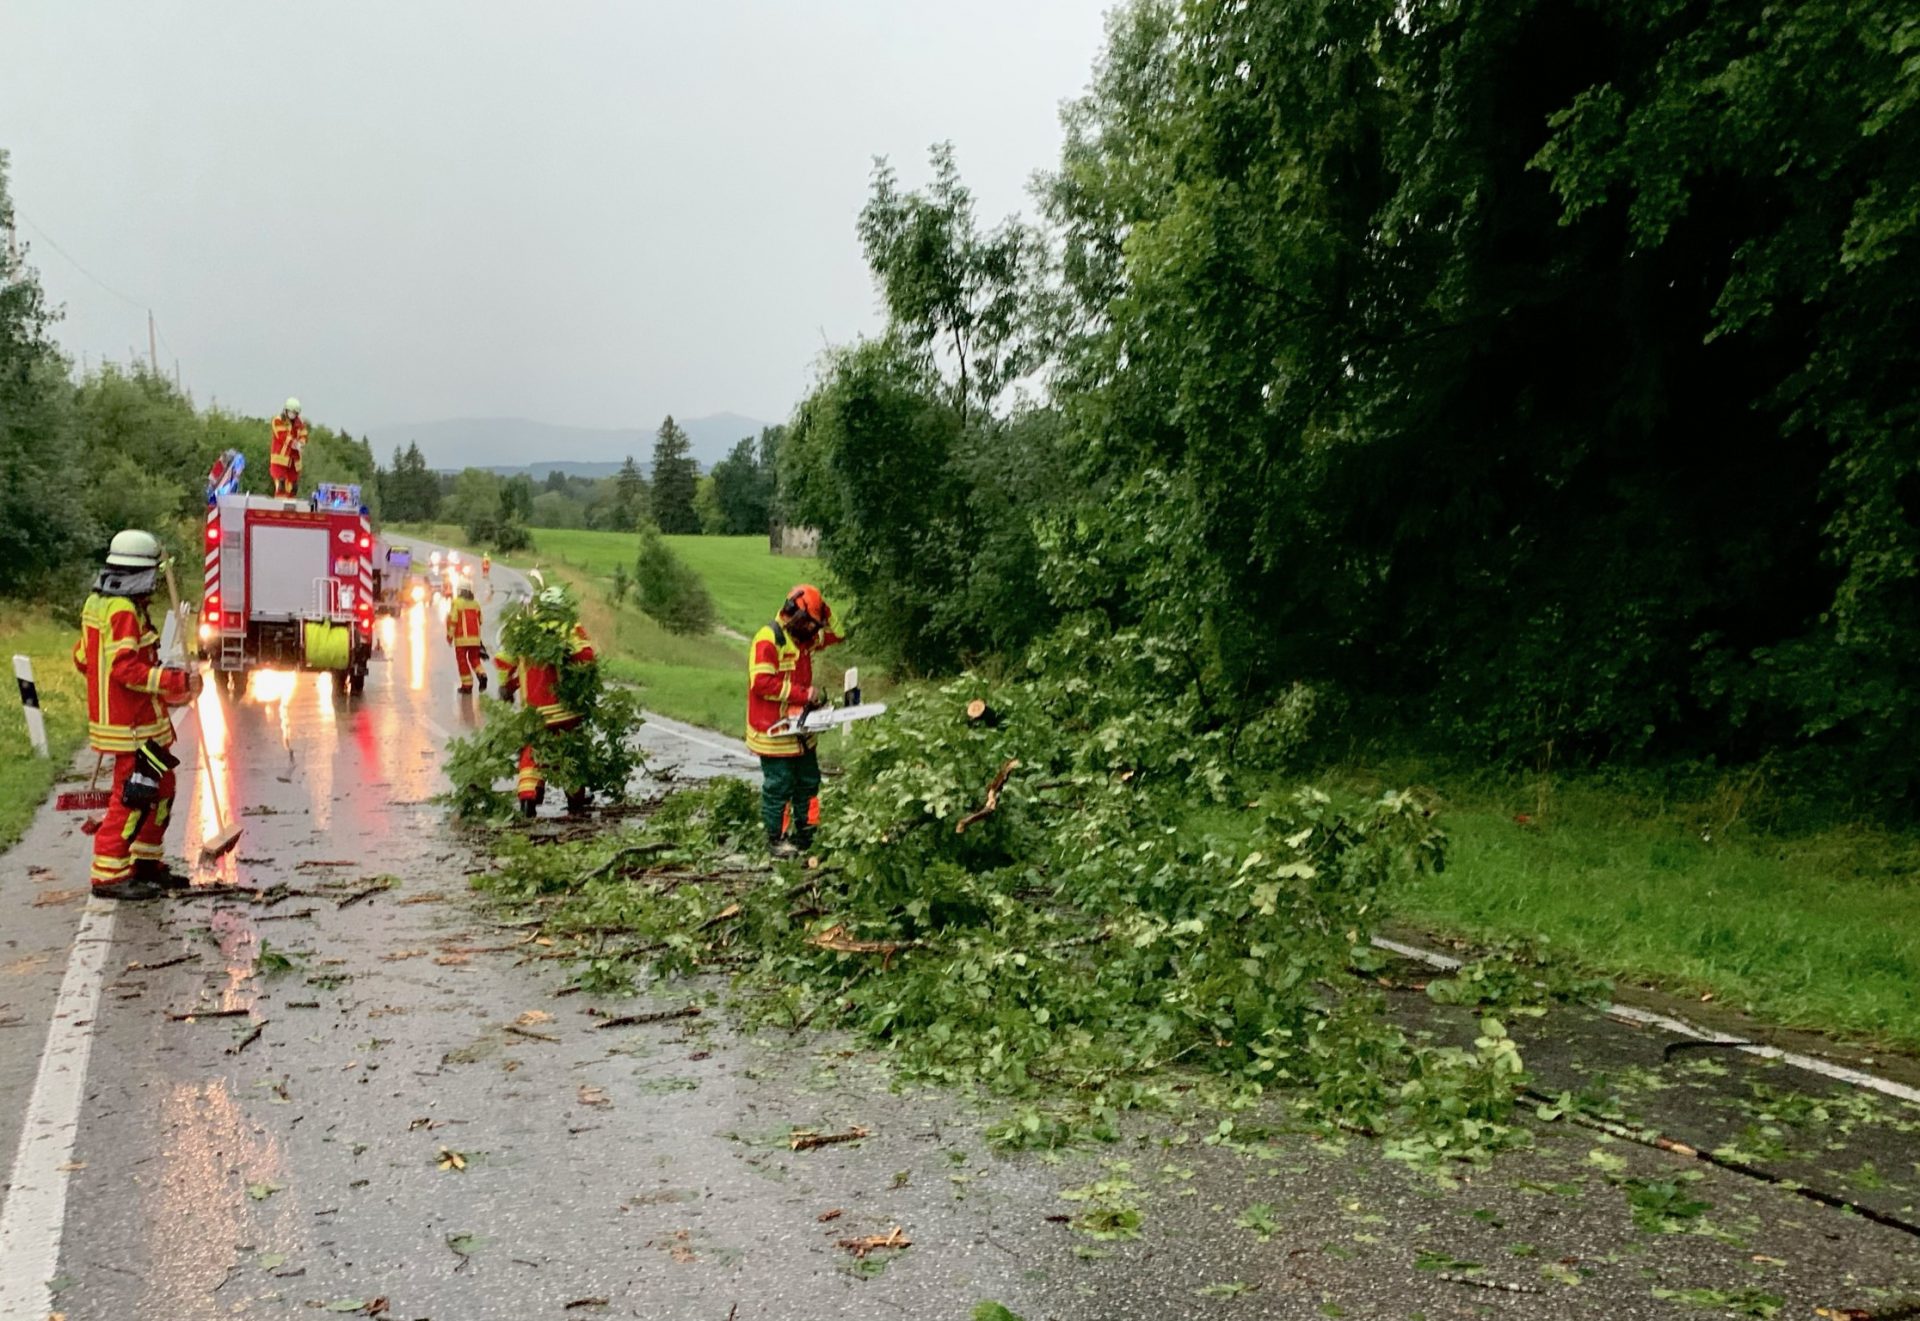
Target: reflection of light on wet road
column 210, row 1143
column 416, row 647
column 201, row 813
column 275, row 688
column 318, row 763
column 389, row 629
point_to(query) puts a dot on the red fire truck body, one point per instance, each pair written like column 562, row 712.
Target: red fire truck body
column 289, row 585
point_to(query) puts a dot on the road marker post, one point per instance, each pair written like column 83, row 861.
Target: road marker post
column 30, row 703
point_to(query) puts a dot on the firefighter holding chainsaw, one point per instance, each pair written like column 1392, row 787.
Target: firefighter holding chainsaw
column 288, row 449
column 780, row 687
column 128, row 695
column 551, row 613
column 463, row 634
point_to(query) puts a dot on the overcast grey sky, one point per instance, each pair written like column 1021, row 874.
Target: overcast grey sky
column 584, row 213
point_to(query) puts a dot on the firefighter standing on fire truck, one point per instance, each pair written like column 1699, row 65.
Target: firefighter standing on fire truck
column 463, row 633
column 550, row 611
column 289, row 448
column 128, row 693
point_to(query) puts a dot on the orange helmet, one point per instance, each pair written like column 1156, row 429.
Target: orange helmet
column 807, row 600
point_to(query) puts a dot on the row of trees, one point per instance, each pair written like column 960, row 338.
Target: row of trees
column 83, row 456
column 1538, row 373
column 735, row 499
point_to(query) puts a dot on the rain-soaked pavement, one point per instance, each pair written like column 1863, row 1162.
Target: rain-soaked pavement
column 408, row 1118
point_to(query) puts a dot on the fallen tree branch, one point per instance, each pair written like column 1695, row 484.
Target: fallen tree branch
column 193, row 1014
column 837, row 939
column 998, row 783
column 630, row 851
column 531, row 1035
column 249, row 1039
column 367, row 893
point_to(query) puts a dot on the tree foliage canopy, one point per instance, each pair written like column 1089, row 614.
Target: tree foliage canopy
column 1540, row 372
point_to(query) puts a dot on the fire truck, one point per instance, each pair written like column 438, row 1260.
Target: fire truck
column 289, row 581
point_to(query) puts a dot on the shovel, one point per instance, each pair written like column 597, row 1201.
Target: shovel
column 227, row 833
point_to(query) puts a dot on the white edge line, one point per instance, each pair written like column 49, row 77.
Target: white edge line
column 656, row 722
column 1680, row 1027
column 36, row 1208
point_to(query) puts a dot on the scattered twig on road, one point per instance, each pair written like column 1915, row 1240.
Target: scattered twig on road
column 1660, row 1142
column 285, row 917
column 1500, row 1285
column 367, row 893
column 660, row 1016
column 860, row 1247
column 192, row 1014
column 249, row 1039
column 311, row 863
column 807, row 1141
column 137, row 966
column 519, row 1031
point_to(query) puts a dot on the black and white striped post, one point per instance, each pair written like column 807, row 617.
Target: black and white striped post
column 30, row 703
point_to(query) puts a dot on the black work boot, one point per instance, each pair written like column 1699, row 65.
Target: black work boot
column 529, row 808
column 481, row 679
column 131, row 890
column 157, row 873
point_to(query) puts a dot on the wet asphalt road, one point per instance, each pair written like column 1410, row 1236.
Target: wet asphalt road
column 216, row 1171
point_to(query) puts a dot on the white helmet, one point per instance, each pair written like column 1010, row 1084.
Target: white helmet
column 134, row 549
column 293, row 405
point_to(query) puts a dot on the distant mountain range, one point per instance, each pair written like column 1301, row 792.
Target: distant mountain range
column 512, row 445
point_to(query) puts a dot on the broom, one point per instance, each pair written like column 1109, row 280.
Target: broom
column 227, row 833
column 90, row 799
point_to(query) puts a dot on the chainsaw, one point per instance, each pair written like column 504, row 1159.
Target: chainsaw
column 822, row 718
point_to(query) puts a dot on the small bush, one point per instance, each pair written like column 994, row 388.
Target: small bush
column 668, row 590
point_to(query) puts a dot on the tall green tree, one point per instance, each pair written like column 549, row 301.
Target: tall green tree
column 743, row 486
column 675, row 476
column 629, row 507
column 958, row 295
column 44, row 525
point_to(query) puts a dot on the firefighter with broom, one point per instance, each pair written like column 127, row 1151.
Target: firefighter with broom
column 129, row 696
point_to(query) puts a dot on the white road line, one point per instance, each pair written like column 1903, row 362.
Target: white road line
column 36, row 1207
column 1680, row 1027
column 655, row 721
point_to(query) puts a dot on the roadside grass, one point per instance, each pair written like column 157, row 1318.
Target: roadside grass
column 1815, row 929
column 25, row 778
column 746, row 581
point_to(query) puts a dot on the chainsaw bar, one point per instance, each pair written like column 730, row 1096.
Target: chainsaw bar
column 827, row 717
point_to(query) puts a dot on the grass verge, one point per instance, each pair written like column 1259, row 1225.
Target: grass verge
column 1816, row 930
column 25, row 777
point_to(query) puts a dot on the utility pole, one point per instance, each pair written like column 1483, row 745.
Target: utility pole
column 153, row 353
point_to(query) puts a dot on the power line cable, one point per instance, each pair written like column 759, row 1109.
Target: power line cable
column 54, row 244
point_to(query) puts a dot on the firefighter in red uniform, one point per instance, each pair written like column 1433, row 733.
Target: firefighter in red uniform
column 128, row 693
column 543, row 695
column 463, row 632
column 289, row 447
column 780, row 686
